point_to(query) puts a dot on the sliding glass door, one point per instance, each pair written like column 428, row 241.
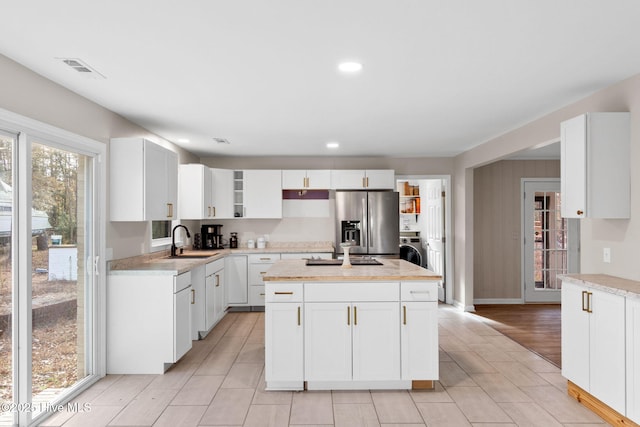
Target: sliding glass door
column 50, row 290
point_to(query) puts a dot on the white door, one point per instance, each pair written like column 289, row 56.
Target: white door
column 434, row 239
column 376, row 341
column 284, row 342
column 419, row 340
column 327, row 344
column 219, row 298
column 575, row 335
column 633, row 358
column 210, row 301
column 550, row 241
column 237, row 281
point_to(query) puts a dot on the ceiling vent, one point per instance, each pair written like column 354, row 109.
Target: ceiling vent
column 82, row 67
column 221, row 140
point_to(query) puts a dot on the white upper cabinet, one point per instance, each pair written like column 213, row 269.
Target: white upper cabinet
column 370, row 179
column 262, row 193
column 143, row 180
column 595, row 169
column 196, row 191
column 312, row 179
column 222, row 199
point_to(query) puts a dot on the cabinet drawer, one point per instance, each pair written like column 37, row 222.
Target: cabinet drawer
column 214, row 266
column 256, row 295
column 181, row 281
column 284, row 292
column 256, row 271
column 419, row 291
column 347, row 292
column 263, row 258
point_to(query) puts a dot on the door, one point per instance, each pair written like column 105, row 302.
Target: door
column 327, row 344
column 210, row 283
column 51, row 224
column 575, row 335
column 284, row 342
column 573, row 143
column 376, row 341
column 419, row 339
column 262, row 193
column 383, row 219
column 434, row 237
column 550, row 241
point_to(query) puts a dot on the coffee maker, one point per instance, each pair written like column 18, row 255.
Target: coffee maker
column 211, row 236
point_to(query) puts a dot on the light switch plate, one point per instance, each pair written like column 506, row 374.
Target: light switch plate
column 606, row 255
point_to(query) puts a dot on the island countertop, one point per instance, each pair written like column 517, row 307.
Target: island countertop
column 391, row 269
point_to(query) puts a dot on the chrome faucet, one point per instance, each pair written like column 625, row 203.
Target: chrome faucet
column 173, row 238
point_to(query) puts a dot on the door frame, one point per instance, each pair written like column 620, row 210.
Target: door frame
column 27, row 130
column 573, row 252
column 448, row 235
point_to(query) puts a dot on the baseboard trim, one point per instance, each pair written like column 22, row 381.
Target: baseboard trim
column 460, row 306
column 498, row 301
column 602, row 410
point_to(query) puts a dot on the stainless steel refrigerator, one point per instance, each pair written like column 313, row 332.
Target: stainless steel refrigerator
column 370, row 221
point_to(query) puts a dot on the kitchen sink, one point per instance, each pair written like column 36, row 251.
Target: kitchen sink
column 192, row 256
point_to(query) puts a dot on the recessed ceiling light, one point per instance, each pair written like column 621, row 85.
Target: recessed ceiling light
column 333, row 145
column 350, row 67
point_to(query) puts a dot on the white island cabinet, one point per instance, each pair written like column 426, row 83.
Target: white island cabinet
column 148, row 321
column 343, row 328
column 633, row 359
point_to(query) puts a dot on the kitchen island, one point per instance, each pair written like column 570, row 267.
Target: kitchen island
column 360, row 328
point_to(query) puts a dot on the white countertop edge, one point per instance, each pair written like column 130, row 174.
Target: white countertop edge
column 611, row 284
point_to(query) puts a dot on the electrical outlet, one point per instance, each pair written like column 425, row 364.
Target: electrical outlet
column 606, row 255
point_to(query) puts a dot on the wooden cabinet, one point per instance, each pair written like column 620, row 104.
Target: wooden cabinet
column 593, row 343
column 222, row 199
column 633, row 358
column 143, row 181
column 258, row 266
column 195, row 191
column 148, row 322
column 284, row 335
column 595, row 168
column 374, row 179
column 312, row 179
column 262, row 193
column 419, row 330
column 237, row 280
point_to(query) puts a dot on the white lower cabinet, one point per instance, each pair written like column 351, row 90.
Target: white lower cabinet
column 419, row 330
column 633, row 359
column 208, row 299
column 349, row 335
column 237, row 280
column 148, row 322
column 593, row 343
column 284, row 335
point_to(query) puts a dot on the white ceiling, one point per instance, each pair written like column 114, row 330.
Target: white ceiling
column 439, row 77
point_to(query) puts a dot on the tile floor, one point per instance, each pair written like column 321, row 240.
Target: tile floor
column 486, row 379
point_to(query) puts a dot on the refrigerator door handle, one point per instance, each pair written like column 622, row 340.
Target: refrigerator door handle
column 370, row 228
column 364, row 223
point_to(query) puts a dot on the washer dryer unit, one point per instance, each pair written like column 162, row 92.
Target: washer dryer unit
column 411, row 250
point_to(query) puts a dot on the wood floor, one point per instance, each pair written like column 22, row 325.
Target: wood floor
column 486, row 379
column 534, row 326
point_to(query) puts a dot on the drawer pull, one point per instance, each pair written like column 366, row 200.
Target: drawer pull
column 262, row 273
column 265, row 259
column 283, row 293
column 419, row 292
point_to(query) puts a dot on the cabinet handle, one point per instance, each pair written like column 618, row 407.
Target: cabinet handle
column 214, row 210
column 367, row 178
column 283, row 293
column 298, row 315
column 348, row 315
column 419, row 292
column 355, row 315
column 404, row 314
column 169, row 210
column 217, row 280
column 579, row 212
column 193, row 296
column 584, row 293
column 265, row 259
column 589, row 310
column 262, row 273
column 262, row 294
column 364, row 182
column 209, row 210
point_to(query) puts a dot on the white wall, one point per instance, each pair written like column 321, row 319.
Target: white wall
column 622, row 236
column 24, row 92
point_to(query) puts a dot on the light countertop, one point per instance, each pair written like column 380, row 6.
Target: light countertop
column 606, row 283
column 392, row 269
column 159, row 262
